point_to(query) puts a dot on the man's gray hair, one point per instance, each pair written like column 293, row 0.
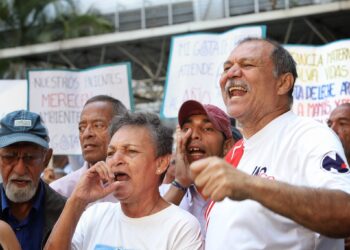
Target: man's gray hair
column 162, row 135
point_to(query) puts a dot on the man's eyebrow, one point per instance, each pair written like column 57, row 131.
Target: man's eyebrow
column 124, row 146
column 99, row 120
column 240, row 60
column 344, row 119
column 94, row 120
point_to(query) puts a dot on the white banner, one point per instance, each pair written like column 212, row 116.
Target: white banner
column 323, row 80
column 59, row 96
column 13, row 96
column 195, row 66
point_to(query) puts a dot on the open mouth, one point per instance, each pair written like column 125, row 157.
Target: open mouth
column 237, row 91
column 121, row 176
column 195, row 151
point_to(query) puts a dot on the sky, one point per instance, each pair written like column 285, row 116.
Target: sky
column 108, row 6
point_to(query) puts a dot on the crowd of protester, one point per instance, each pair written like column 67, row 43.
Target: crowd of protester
column 278, row 182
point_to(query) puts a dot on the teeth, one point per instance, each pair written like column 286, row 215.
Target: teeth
column 194, row 149
column 236, row 88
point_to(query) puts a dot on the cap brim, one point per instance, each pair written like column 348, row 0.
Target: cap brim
column 22, row 137
column 189, row 108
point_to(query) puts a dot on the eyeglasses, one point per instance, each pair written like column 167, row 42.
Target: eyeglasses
column 29, row 159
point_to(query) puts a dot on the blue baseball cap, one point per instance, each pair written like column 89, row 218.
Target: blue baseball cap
column 23, row 126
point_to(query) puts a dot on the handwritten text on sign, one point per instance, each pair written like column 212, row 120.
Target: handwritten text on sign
column 59, row 96
column 324, row 78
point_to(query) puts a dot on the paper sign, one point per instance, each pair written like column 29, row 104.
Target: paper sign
column 323, row 80
column 13, row 96
column 59, row 96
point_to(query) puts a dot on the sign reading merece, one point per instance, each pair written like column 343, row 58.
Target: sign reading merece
column 59, row 95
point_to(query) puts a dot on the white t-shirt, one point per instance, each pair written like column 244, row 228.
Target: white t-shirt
column 104, row 226
column 191, row 202
column 290, row 149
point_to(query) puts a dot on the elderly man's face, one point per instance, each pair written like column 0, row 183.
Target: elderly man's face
column 21, row 165
column 93, row 130
column 248, row 83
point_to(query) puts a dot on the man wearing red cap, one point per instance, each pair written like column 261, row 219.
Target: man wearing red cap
column 205, row 130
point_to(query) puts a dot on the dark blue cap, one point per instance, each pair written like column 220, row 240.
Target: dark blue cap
column 236, row 134
column 23, row 126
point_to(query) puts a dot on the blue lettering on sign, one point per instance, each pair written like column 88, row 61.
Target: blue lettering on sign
column 320, row 92
column 345, row 88
column 298, row 93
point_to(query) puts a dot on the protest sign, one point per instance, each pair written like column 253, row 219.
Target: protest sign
column 195, row 66
column 59, row 95
column 323, row 80
column 13, row 96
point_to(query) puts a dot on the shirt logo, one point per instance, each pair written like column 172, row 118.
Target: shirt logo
column 333, row 163
column 105, row 247
column 261, row 171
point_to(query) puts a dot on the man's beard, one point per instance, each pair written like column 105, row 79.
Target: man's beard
column 20, row 194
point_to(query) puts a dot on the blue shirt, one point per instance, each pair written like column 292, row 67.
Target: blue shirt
column 29, row 231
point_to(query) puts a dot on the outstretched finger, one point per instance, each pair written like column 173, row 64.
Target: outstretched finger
column 182, row 141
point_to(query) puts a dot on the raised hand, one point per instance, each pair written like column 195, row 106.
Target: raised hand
column 182, row 166
column 95, row 184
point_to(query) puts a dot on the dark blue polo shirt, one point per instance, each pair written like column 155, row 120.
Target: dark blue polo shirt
column 29, row 231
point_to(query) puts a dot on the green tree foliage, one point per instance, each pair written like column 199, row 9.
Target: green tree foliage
column 24, row 22
column 37, row 21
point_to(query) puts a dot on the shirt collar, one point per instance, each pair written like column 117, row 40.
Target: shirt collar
column 39, row 196
column 4, row 203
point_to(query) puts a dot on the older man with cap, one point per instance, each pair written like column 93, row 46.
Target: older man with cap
column 27, row 204
column 205, row 130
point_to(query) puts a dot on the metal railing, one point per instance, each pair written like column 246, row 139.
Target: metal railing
column 154, row 14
